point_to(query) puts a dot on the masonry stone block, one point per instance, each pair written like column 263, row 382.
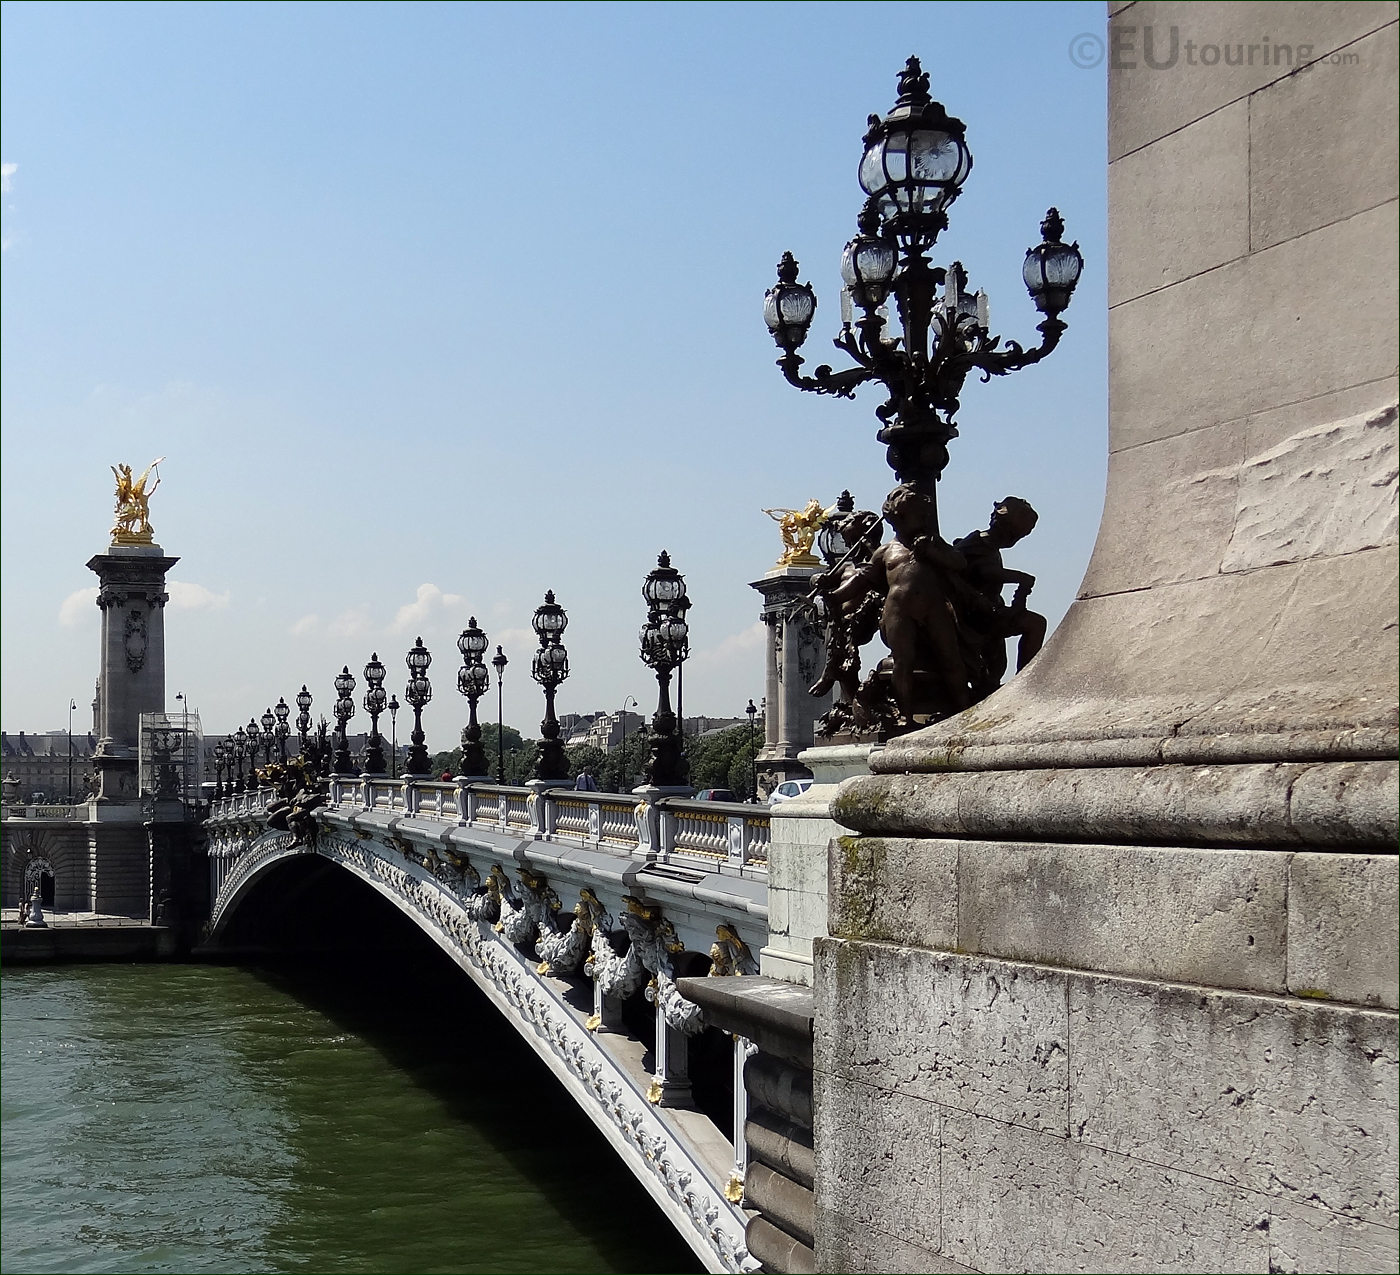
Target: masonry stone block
column 1310, row 1239
column 1016, row 1199
column 895, row 889
column 874, row 1252
column 1199, row 916
column 1190, row 340
column 1317, row 154
column 1158, row 94
column 1335, row 948
column 1172, row 229
column 893, row 1138
column 1285, row 1098
column 984, row 1037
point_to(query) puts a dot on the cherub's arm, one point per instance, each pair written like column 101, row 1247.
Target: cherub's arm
column 870, row 577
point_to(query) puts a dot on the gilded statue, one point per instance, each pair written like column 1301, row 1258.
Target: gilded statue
column 799, row 528
column 133, row 524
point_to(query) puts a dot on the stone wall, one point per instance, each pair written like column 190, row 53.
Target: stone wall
column 1112, row 982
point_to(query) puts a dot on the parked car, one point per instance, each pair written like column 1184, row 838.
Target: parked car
column 787, row 790
column 716, row 794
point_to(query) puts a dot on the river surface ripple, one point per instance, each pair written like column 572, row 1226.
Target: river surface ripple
column 191, row 1118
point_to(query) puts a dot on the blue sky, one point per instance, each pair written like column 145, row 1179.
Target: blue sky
column 432, row 308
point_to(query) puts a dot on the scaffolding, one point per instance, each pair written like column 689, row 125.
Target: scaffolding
column 172, row 756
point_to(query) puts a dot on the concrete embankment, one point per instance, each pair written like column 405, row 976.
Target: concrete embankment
column 95, row 940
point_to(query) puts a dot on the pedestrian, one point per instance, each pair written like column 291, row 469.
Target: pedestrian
column 23, row 911
column 585, row 782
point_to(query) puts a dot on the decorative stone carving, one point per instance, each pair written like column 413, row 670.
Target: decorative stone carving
column 135, row 640
column 560, row 954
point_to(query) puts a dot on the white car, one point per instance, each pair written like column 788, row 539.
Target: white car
column 787, row 790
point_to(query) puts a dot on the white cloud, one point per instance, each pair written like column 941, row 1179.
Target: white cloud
column 430, row 599
column 350, row 623
column 741, row 643
column 77, row 607
column 186, row 596
column 307, row 624
column 6, row 172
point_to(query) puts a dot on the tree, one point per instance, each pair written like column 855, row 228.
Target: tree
column 451, row 761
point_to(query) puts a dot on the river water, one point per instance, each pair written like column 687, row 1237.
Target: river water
column 355, row 1117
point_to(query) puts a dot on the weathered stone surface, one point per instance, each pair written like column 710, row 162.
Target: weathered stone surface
column 777, row 1250
column 1169, row 230
column 1202, row 916
column 782, row 1201
column 775, row 1015
column 1285, row 1098
column 988, row 1038
column 1311, row 1239
column 1352, row 804
column 869, row 1251
column 1336, row 948
column 1149, row 101
column 1316, row 154
column 1327, row 490
column 895, row 890
column 781, row 1145
column 1256, row 312
column 779, row 1087
column 888, row 1138
column 1017, row 1200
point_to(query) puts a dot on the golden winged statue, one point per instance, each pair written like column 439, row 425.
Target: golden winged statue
column 133, row 524
column 799, row 528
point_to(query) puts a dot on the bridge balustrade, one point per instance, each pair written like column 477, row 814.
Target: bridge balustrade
column 728, row 833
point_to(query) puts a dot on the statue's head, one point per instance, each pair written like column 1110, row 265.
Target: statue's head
column 1014, row 517
column 906, row 508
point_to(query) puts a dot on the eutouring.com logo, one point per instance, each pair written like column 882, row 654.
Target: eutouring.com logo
column 1161, row 49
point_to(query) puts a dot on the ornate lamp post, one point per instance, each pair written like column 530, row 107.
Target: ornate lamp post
column 472, row 681
column 303, row 716
column 916, row 160
column 218, row 755
column 394, row 736
column 418, row 692
column 269, row 733
column 282, row 730
column 254, row 748
column 375, row 703
column 240, row 750
column 665, row 642
column 499, row 662
column 549, row 668
column 752, row 711
column 344, row 710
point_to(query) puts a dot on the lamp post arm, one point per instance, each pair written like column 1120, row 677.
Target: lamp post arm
column 824, row 380
column 993, row 362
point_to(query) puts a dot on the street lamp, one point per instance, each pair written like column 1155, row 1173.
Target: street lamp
column 622, row 770
column 72, row 704
column 752, row 711
column 254, row 748
column 472, row 681
column 282, row 712
column 418, row 692
column 394, row 736
column 499, row 662
column 375, row 703
column 303, row 716
column 269, row 735
column 916, row 160
column 549, row 668
column 240, row 750
column 665, row 643
column 344, row 710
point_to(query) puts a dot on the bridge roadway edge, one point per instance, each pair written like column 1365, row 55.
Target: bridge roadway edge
column 652, row 1143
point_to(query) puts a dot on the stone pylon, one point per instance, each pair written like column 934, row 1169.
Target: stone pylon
column 132, row 598
column 796, row 651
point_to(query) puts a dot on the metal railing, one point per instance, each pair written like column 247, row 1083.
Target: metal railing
column 724, row 835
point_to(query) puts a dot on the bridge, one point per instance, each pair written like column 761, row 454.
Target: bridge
column 574, row 913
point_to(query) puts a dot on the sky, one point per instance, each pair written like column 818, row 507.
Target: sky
column 433, row 307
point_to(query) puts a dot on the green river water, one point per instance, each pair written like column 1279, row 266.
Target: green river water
column 190, row 1118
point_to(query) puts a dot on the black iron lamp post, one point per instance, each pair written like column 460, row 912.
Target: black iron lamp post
column 752, row 711
column 499, row 662
column 269, row 733
column 254, row 749
column 344, row 710
column 916, row 160
column 282, row 711
column 218, row 753
column 394, row 736
column 303, row 716
column 549, row 668
column 665, row 641
column 240, row 750
column 472, row 681
column 375, row 703
column 418, row 692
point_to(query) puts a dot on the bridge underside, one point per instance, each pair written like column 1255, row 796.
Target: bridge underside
column 614, row 1032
